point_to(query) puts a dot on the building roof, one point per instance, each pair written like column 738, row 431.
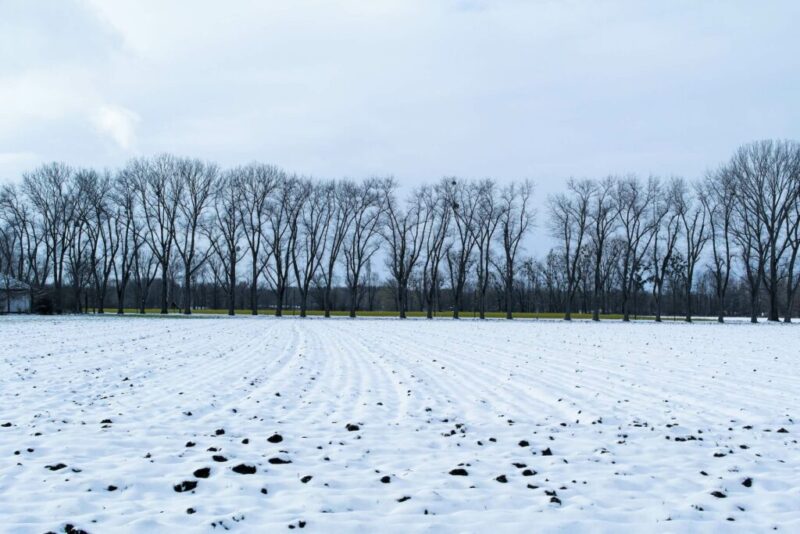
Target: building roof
column 6, row 283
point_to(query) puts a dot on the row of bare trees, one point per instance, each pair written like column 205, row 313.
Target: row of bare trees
column 175, row 226
column 165, row 220
column 745, row 214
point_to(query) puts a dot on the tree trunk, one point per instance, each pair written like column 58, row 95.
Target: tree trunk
column 279, row 301
column 659, row 288
column 353, row 300
column 254, row 290
column 509, row 297
column 568, row 307
column 59, row 305
column 121, row 300
column 791, row 290
column 688, row 299
column 596, row 292
column 76, row 294
column 457, row 297
column 401, row 304
column 232, row 288
column 303, row 301
column 326, row 297
column 773, row 289
column 187, row 290
column 164, row 268
column 626, row 312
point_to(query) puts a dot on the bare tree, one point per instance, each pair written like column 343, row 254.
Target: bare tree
column 489, row 215
column 284, row 212
column 633, row 201
column 315, row 220
column 750, row 236
column 103, row 232
column 225, row 233
column 127, row 229
column 50, row 191
column 197, row 186
column 767, row 177
column 792, row 278
column 602, row 218
column 405, row 232
column 80, row 247
column 160, row 190
column 437, row 204
column 258, row 182
column 463, row 199
column 718, row 196
column 344, row 209
column 665, row 236
column 23, row 238
column 569, row 219
column 695, row 233
column 361, row 243
column 138, row 261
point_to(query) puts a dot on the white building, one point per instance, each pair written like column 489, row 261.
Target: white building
column 15, row 296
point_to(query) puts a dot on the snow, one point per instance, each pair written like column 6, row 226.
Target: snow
column 633, row 415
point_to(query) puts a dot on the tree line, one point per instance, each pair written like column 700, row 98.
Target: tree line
column 182, row 233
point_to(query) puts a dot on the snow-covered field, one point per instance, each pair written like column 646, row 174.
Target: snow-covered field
column 257, row 424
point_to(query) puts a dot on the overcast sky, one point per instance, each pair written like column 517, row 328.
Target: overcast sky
column 417, row 89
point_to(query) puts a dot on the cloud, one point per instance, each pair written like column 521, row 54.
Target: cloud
column 418, row 89
column 118, row 123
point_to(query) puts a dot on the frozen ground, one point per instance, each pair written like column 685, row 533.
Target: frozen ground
column 552, row 426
